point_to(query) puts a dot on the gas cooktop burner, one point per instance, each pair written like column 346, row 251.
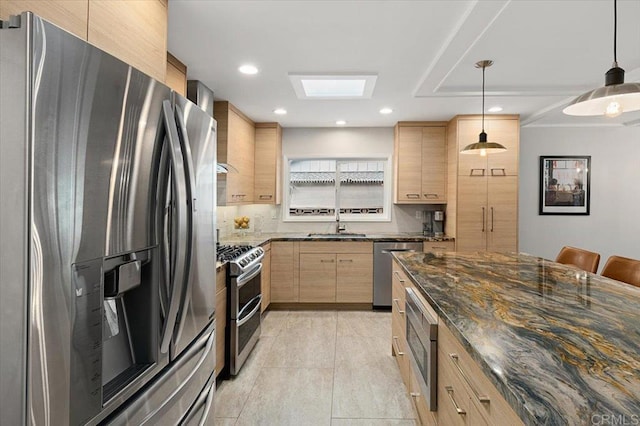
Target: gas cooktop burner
column 240, row 258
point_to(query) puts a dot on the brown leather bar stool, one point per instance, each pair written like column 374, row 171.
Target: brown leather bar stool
column 623, row 269
column 583, row 259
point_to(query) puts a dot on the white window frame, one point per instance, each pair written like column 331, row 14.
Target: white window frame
column 344, row 217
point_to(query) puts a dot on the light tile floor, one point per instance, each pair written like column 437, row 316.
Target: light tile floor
column 318, row 368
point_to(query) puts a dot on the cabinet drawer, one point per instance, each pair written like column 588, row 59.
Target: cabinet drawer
column 424, row 415
column 336, row 247
column 399, row 345
column 454, row 400
column 437, row 246
column 454, row 358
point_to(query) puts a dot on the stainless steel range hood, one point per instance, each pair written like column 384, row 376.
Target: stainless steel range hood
column 201, row 95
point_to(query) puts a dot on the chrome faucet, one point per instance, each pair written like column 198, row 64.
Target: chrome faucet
column 339, row 227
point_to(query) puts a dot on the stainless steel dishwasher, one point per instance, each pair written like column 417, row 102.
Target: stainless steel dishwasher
column 382, row 268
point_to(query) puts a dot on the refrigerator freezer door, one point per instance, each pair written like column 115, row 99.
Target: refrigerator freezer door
column 198, row 132
column 174, row 393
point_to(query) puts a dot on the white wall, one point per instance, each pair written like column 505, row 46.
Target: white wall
column 613, row 227
column 330, row 142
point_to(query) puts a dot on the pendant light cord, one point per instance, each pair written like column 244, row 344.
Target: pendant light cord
column 615, row 33
column 483, row 68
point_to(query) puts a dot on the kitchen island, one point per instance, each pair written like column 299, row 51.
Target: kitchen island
column 560, row 345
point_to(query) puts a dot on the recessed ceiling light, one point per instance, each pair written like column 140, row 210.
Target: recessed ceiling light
column 341, row 122
column 280, row 111
column 495, row 109
column 333, row 86
column 248, row 69
column 386, row 111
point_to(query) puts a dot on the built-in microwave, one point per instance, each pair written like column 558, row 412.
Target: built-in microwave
column 422, row 339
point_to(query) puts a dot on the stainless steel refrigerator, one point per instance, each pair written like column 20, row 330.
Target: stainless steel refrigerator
column 107, row 219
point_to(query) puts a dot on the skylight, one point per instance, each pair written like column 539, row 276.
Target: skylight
column 337, row 86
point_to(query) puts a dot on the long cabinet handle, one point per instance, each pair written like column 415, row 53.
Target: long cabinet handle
column 326, row 260
column 346, row 260
column 413, row 196
column 398, row 276
column 431, row 196
column 396, row 347
column 483, row 219
column 491, row 219
column 459, row 410
column 400, row 311
column 456, row 361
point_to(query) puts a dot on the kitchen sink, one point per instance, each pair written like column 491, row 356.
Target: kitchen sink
column 340, row 235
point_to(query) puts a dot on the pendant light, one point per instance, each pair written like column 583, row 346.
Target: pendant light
column 483, row 147
column 616, row 96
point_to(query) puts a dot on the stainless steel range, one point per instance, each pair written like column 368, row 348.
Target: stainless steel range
column 244, row 300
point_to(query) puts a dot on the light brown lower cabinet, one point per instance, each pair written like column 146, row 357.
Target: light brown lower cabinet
column 221, row 317
column 265, row 278
column 354, row 278
column 317, row 277
column 437, row 246
column 284, row 268
column 423, row 415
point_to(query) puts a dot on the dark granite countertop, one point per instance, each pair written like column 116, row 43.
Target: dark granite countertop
column 562, row 346
column 256, row 240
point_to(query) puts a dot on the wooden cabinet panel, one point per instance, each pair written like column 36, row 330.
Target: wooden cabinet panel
column 420, row 163
column 317, row 277
column 265, row 278
column 236, row 147
column 472, row 214
column 354, row 278
column 134, row 31
column 468, row 131
column 439, row 246
column 409, row 164
column 284, row 257
column 434, row 166
column 221, row 317
column 268, row 164
column 336, row 247
column 176, row 75
column 503, row 210
column 68, row 14
column 425, row 417
column 400, row 349
column 506, row 132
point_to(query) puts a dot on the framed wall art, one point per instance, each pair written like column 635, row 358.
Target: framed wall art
column 565, row 184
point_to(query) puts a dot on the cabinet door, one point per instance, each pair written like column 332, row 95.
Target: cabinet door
column 507, row 133
column 502, row 219
column 354, row 278
column 472, row 214
column 317, row 277
column 176, row 77
column 409, row 164
column 240, row 154
column 221, row 316
column 283, row 283
column 68, row 14
column 265, row 279
column 434, row 168
column 425, row 417
column 268, row 151
column 133, row 31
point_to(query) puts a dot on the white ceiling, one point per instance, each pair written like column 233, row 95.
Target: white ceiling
column 545, row 53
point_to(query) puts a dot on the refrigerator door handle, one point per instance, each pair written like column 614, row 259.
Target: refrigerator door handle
column 204, row 399
column 185, row 145
column 179, row 273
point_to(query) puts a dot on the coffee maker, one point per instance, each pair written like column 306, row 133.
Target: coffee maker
column 433, row 225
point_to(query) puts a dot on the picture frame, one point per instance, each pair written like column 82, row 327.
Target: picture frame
column 565, row 184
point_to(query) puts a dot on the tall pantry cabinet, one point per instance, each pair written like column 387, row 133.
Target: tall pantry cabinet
column 482, row 212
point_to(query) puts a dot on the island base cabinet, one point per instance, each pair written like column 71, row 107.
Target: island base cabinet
column 423, row 415
column 471, row 388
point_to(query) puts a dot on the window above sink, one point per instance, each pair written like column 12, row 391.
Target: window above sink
column 325, row 189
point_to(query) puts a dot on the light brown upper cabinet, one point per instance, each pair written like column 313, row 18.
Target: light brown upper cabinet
column 133, row 31
column 236, row 147
column 420, row 163
column 268, row 164
column 176, row 75
column 68, row 14
column 483, row 191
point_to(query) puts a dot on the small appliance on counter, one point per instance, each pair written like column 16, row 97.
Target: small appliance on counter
column 433, row 225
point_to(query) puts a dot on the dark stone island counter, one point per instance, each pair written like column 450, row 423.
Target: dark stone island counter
column 561, row 346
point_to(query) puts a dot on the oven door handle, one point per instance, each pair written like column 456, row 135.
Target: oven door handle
column 248, row 276
column 253, row 311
